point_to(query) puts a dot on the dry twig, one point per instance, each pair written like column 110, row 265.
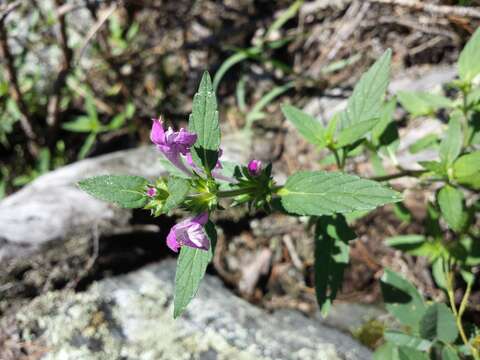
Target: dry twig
column 462, row 11
column 96, row 28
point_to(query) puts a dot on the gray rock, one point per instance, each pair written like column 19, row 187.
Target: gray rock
column 130, row 317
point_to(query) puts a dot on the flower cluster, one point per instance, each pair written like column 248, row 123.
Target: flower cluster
column 176, row 148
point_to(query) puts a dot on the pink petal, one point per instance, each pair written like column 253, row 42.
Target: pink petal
column 172, row 240
column 157, row 134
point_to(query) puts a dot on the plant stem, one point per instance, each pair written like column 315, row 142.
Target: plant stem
column 233, row 193
column 458, row 313
column 337, row 159
column 411, row 173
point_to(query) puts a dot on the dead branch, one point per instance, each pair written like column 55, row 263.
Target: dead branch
column 11, row 76
column 461, row 11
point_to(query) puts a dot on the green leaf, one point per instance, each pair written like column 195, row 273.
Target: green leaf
column 332, row 127
column 366, row 100
column 354, row 132
column 451, row 144
column 402, row 212
column 407, row 243
column 81, row 124
column 332, row 235
column 117, row 122
column 326, row 193
column 438, row 323
column 178, row 189
column 402, row 339
column 125, row 190
column 434, row 166
column 385, row 131
column 468, row 64
column 402, row 299
column 87, row 146
column 419, row 103
column 449, row 353
column 451, row 202
column 438, row 273
column 191, row 266
column 466, row 170
column 473, row 97
column 204, row 122
column 423, row 143
column 90, row 107
column 307, row 125
column 389, row 351
column 472, row 249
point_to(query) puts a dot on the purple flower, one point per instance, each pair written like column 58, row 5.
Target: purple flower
column 151, row 192
column 255, row 167
column 189, row 232
column 172, row 143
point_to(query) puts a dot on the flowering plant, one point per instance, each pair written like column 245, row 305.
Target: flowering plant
column 200, row 184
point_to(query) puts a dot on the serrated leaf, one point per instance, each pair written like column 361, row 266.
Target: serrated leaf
column 466, row 170
column 332, row 235
column 191, row 266
column 451, row 203
column 308, row 126
column 438, row 323
column 420, row 103
column 451, row 144
column 204, row 122
column 468, row 64
column 354, row 132
column 178, row 189
column 326, row 193
column 402, row 299
column 402, row 339
column 124, row 190
column 366, row 100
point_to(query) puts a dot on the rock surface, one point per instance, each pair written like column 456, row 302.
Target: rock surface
column 130, row 317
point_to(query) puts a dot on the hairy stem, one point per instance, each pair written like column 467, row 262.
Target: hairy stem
column 236, row 192
column 403, row 173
